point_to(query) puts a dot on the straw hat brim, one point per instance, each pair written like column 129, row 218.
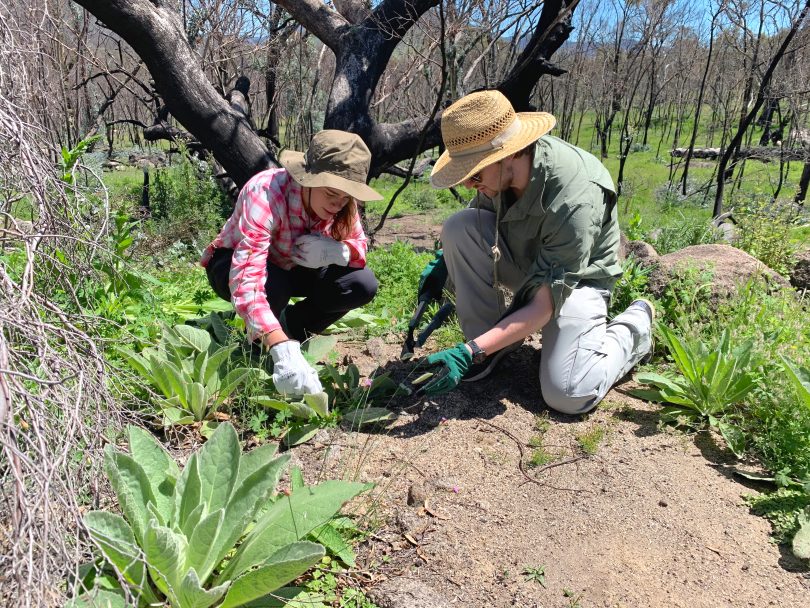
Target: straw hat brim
column 449, row 171
column 294, row 163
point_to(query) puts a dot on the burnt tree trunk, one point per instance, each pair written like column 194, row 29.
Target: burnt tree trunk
column 362, row 40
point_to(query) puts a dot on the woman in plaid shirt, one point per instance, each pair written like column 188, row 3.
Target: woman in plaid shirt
column 295, row 231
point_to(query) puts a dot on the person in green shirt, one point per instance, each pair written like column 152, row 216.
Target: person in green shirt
column 542, row 229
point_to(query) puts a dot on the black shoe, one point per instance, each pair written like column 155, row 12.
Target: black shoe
column 479, row 371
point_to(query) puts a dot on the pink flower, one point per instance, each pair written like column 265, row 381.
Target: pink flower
column 455, row 489
column 443, row 421
column 366, row 382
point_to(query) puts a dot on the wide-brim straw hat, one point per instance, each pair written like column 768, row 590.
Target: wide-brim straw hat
column 480, row 129
column 334, row 159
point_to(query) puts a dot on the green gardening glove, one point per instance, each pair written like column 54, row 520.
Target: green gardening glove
column 433, row 278
column 449, row 366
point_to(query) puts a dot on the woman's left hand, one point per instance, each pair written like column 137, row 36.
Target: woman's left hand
column 316, row 251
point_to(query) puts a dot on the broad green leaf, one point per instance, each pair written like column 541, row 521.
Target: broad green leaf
column 660, row 381
column 646, row 394
column 318, row 402
column 114, row 537
column 296, row 478
column 201, row 544
column 301, row 435
column 98, row 598
column 215, row 362
column 165, row 552
column 219, row 328
column 254, row 460
column 734, row 437
column 208, row 427
column 800, row 378
column 291, row 597
column 192, row 595
column 132, row 488
column 276, row 404
column 318, row 347
column 161, row 378
column 200, row 361
column 192, row 520
column 192, row 337
column 284, row 566
column 188, row 491
column 160, row 468
column 329, row 537
column 173, row 414
column 232, row 381
column 801, row 542
column 135, row 361
column 245, row 502
column 682, row 357
column 370, row 415
column 301, row 410
column 218, row 467
column 197, row 401
column 290, row 519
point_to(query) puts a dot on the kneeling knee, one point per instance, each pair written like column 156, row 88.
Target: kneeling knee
column 364, row 289
column 456, row 227
column 566, row 403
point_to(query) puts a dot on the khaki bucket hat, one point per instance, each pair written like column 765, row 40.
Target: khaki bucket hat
column 334, row 159
column 480, row 129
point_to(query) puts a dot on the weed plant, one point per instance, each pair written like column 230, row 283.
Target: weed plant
column 187, row 205
column 762, row 226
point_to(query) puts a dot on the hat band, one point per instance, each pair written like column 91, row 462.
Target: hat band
column 496, row 143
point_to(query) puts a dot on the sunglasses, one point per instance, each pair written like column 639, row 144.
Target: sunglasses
column 476, row 179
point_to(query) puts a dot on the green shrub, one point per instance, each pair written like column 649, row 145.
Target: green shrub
column 762, row 230
column 186, row 203
column 213, row 533
column 631, row 286
column 397, row 268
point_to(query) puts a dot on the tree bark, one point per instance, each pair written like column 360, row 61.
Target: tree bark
column 155, row 32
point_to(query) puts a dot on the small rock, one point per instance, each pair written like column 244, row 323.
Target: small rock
column 417, row 495
column 375, row 348
column 663, row 503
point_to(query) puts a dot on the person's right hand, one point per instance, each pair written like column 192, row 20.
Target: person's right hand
column 292, row 375
column 433, row 278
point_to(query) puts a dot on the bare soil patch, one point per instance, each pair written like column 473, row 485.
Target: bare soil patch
column 653, row 518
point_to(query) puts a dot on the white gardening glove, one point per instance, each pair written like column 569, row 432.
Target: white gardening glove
column 292, row 375
column 316, row 251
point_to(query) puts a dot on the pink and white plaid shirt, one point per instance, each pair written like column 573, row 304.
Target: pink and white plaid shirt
column 268, row 218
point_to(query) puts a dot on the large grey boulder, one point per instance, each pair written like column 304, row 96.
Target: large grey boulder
column 729, row 267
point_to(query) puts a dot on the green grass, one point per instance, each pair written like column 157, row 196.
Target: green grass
column 590, row 439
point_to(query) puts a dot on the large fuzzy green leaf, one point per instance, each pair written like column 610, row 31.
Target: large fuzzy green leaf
column 255, row 459
column 801, row 542
column 202, row 542
column 135, row 361
column 114, row 537
column 160, row 468
column 165, row 552
column 289, row 519
column 318, row 402
column 192, row 595
column 215, row 362
column 232, row 381
column 318, row 347
column 219, row 467
column 283, row 566
column 98, row 598
column 247, row 499
column 189, row 490
column 132, row 488
column 328, row 536
column 190, row 337
column 800, row 378
column 197, row 401
column 366, row 416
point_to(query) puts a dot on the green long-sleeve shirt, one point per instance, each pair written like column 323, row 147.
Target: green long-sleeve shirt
column 563, row 231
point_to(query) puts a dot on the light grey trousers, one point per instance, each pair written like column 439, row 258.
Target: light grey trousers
column 583, row 355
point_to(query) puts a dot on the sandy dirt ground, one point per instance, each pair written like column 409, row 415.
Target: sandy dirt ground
column 652, row 518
